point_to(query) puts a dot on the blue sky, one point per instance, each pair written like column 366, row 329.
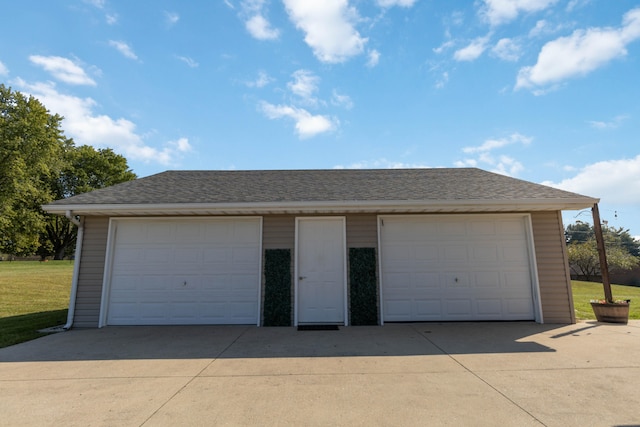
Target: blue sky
column 543, row 90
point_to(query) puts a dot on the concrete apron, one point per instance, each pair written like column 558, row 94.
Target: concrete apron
column 400, row 374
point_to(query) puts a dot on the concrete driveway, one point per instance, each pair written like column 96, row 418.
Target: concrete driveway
column 492, row 374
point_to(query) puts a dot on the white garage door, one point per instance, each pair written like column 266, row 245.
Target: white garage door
column 469, row 267
column 185, row 271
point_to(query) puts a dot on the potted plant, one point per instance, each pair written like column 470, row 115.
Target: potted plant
column 607, row 309
column 611, row 311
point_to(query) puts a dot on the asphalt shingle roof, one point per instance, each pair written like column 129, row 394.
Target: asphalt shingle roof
column 335, row 185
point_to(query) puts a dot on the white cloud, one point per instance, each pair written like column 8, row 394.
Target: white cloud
column 329, row 28
column 544, row 28
column 111, row 18
column 87, row 127
column 507, row 50
column 580, row 53
column 253, row 13
column 304, row 85
column 391, row 3
column 576, row 4
column 492, row 144
column 341, row 100
column 171, row 18
column 612, row 180
column 181, row 145
column 97, row 3
column 498, row 12
column 611, row 124
column 63, row 69
column 189, row 61
column 502, row 164
column 541, row 27
column 123, row 48
column 374, row 58
column 306, row 124
column 262, row 80
column 443, row 80
column 260, row 28
column 444, row 46
column 473, row 50
column 4, row 71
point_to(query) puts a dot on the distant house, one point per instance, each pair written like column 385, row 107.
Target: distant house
column 400, row 245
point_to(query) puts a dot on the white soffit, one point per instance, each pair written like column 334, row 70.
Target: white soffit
column 321, row 207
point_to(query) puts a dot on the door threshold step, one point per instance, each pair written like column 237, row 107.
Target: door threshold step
column 318, row 328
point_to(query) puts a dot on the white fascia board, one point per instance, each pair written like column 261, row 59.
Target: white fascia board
column 527, row 205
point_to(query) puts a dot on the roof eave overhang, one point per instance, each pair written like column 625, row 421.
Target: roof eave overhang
column 402, row 206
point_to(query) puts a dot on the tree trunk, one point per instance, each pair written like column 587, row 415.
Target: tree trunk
column 59, row 253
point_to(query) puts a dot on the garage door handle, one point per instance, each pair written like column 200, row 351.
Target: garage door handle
column 302, row 277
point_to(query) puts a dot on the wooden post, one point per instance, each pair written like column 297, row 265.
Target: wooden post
column 604, row 268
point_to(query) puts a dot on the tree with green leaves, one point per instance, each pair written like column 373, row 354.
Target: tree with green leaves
column 84, row 169
column 581, row 232
column 623, row 251
column 31, row 142
column 39, row 164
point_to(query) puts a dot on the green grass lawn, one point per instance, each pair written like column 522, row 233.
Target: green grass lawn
column 583, row 292
column 33, row 295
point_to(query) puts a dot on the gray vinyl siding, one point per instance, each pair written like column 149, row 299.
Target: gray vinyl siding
column 279, row 232
column 553, row 268
column 362, row 231
column 91, row 272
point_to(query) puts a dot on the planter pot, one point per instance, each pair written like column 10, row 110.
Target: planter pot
column 611, row 313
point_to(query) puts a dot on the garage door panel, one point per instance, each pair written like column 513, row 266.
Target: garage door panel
column 397, row 280
column 517, row 307
column 483, row 252
column 186, row 255
column 186, row 233
column 194, row 271
column 450, row 228
column 453, row 253
column 426, row 253
column 216, row 255
column 427, row 309
column 454, row 280
column 514, row 252
column 425, row 280
column 159, row 232
column 458, row 309
column 398, row 310
column 489, row 307
column 245, row 255
column 133, row 235
column 245, row 231
column 487, row 280
column 511, row 227
column 482, row 270
column 128, row 256
column 482, row 228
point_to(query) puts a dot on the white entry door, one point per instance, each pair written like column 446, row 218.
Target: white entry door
column 321, row 270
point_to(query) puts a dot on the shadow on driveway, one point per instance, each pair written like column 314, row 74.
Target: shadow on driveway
column 230, row 342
